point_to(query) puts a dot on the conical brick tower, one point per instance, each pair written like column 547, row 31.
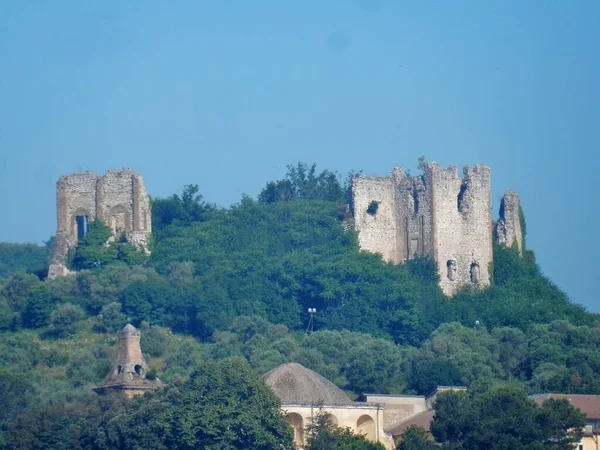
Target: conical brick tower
column 128, row 374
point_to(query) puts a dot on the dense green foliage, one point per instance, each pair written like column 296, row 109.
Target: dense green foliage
column 303, row 183
column 22, row 257
column 96, row 249
column 236, row 282
column 222, row 406
column 501, row 419
column 415, row 438
column 505, row 419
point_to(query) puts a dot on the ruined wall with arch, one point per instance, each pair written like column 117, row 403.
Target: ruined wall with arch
column 118, row 198
column 297, row 423
column 364, row 418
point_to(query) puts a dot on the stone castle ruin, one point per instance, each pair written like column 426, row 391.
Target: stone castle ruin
column 119, row 198
column 439, row 214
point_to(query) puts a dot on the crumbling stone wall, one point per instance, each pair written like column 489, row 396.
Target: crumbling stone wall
column 374, row 204
column 439, row 214
column 119, row 198
column 393, row 215
column 462, row 225
column 414, row 211
column 509, row 229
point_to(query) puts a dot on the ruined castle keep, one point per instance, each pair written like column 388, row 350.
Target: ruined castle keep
column 439, row 214
column 119, row 198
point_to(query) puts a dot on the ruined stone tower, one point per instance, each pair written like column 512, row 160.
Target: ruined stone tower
column 509, row 229
column 128, row 374
column 439, row 214
column 119, row 198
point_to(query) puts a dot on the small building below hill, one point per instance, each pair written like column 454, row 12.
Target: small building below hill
column 401, row 409
column 587, row 404
column 304, row 393
column 419, row 411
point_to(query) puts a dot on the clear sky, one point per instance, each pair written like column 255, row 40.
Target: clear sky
column 225, row 94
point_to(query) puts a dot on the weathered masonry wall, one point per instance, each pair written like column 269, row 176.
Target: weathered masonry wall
column 414, row 211
column 375, row 216
column 462, row 225
column 509, row 229
column 439, row 214
column 119, row 198
column 393, row 215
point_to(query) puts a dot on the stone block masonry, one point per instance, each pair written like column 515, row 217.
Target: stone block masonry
column 119, row 198
column 440, row 214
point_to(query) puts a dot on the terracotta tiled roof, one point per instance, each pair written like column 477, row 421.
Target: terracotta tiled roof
column 587, row 404
column 423, row 420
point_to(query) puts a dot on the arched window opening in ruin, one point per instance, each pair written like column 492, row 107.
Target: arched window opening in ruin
column 451, row 269
column 331, row 419
column 475, row 276
column 82, row 226
column 119, row 368
column 366, row 425
column 297, row 423
column 373, row 207
column 139, row 370
column 119, row 220
column 460, row 197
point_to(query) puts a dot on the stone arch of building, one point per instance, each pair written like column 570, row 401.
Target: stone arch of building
column 366, row 425
column 119, row 220
column 297, row 423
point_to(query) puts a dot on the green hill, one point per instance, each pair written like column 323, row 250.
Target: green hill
column 237, row 282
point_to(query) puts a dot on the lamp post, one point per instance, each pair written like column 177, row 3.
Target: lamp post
column 311, row 320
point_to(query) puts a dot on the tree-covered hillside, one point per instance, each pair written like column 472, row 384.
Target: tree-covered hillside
column 237, row 282
column 23, row 257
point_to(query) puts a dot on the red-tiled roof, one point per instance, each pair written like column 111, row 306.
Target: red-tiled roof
column 587, row 404
column 423, row 420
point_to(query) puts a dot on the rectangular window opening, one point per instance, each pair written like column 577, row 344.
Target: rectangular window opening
column 82, row 226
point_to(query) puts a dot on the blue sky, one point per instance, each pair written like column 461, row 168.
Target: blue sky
column 225, row 94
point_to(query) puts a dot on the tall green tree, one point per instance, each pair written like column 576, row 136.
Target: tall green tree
column 504, row 419
column 180, row 209
column 223, row 406
column 39, row 307
column 66, row 316
column 92, row 250
column 415, row 438
column 303, row 183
